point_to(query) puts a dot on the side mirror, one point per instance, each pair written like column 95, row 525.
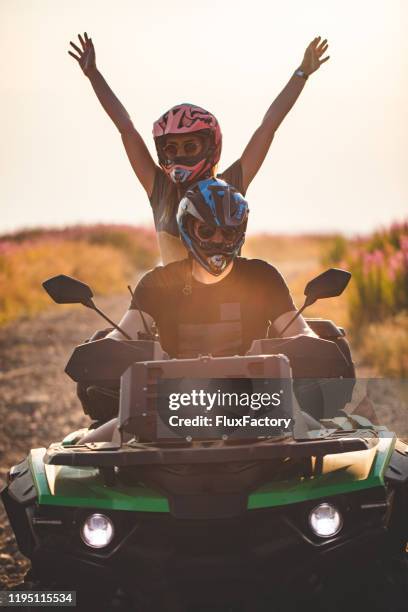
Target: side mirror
column 328, row 284
column 67, row 290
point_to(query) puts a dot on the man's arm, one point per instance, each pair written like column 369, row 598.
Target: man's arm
column 131, row 323
column 136, row 149
column 299, row 326
column 258, row 146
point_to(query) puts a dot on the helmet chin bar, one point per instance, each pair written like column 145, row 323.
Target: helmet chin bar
column 215, row 256
column 217, row 263
column 179, row 175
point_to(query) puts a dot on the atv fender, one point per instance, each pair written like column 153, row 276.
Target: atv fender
column 396, row 478
column 397, row 472
column 19, row 497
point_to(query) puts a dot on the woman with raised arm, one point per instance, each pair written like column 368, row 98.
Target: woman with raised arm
column 188, row 142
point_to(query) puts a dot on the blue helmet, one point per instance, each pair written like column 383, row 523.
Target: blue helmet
column 207, row 206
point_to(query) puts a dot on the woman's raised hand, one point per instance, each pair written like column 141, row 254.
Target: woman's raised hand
column 86, row 55
column 312, row 59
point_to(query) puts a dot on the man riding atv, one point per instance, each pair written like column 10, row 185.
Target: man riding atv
column 307, row 517
column 215, row 302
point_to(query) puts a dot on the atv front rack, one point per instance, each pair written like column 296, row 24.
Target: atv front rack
column 105, row 455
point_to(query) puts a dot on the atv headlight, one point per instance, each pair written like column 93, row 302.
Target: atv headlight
column 325, row 520
column 97, row 531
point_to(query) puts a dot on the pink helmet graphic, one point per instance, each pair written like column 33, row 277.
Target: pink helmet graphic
column 188, row 119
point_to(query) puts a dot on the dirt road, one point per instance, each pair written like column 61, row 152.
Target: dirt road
column 37, row 400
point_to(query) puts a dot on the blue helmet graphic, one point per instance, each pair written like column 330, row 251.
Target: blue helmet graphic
column 212, row 219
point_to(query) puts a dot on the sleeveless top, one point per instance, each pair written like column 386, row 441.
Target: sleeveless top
column 166, row 193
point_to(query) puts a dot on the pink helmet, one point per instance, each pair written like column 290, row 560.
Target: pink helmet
column 188, row 119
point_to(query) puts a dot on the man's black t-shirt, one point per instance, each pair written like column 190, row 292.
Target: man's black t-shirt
column 222, row 318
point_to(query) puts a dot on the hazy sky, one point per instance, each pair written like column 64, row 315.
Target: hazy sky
column 339, row 161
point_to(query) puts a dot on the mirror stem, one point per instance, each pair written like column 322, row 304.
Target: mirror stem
column 89, row 303
column 296, row 315
column 146, row 327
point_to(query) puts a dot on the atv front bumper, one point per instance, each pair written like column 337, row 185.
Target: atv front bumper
column 260, row 555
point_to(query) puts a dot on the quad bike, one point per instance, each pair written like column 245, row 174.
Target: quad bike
column 173, row 519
